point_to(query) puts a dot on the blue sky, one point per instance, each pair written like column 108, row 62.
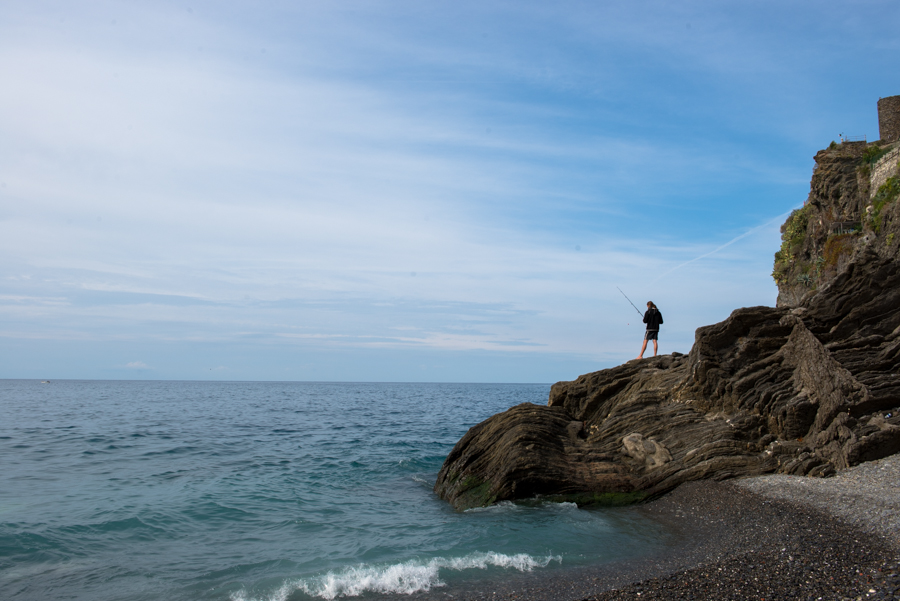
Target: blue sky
column 405, row 191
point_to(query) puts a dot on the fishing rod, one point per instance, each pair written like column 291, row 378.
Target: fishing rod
column 629, row 300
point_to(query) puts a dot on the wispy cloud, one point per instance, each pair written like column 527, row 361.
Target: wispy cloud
column 275, row 176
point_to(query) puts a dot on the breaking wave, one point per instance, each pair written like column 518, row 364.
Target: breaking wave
column 404, row 578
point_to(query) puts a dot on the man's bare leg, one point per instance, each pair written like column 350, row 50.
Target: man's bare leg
column 643, row 348
column 655, row 347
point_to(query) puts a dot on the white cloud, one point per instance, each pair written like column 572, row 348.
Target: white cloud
column 166, row 181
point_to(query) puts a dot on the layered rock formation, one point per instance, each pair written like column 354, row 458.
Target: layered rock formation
column 807, row 387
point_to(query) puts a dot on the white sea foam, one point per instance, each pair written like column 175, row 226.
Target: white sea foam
column 500, row 507
column 404, row 578
column 566, row 506
column 510, row 506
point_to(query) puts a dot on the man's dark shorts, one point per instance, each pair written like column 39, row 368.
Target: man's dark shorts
column 652, row 335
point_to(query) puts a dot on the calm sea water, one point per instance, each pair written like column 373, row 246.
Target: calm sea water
column 174, row 491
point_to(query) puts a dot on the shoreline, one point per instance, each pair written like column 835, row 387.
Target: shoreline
column 768, row 537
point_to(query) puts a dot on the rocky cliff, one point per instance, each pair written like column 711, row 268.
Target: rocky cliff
column 807, row 387
column 850, row 204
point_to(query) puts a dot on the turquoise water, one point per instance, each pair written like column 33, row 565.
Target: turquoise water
column 114, row 490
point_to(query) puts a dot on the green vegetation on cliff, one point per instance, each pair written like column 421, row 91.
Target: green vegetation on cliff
column 793, row 233
column 838, row 218
column 887, row 193
column 870, row 157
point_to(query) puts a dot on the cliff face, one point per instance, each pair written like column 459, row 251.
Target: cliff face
column 805, row 388
column 850, row 203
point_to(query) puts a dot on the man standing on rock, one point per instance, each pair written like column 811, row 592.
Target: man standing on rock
column 653, row 319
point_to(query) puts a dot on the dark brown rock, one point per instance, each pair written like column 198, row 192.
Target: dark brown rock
column 526, row 451
column 798, row 390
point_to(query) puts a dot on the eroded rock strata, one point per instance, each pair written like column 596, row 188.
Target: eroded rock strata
column 805, row 388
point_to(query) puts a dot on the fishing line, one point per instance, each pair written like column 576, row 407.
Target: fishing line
column 629, row 300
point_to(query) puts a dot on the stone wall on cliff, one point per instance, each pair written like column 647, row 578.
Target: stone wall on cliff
column 884, row 168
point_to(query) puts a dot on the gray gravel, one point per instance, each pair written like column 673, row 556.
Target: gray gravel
column 866, row 496
column 839, row 538
column 773, row 538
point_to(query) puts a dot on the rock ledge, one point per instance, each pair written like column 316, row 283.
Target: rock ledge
column 805, row 389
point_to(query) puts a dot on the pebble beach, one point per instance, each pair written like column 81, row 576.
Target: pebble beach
column 768, row 538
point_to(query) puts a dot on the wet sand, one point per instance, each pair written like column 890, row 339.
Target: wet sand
column 768, row 538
